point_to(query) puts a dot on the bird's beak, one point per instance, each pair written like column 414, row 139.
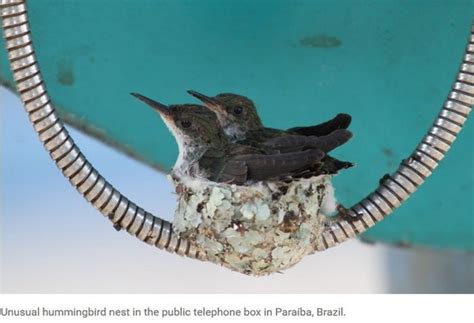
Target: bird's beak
column 162, row 109
column 209, row 102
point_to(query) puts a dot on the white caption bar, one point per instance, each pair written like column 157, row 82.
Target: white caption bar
column 234, row 308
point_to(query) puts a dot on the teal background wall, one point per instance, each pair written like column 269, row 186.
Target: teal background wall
column 389, row 64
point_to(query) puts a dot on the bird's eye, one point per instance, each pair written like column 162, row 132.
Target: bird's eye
column 238, row 110
column 186, row 124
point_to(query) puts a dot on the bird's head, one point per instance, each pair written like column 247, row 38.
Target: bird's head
column 236, row 113
column 189, row 123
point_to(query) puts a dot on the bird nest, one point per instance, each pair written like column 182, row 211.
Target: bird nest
column 255, row 229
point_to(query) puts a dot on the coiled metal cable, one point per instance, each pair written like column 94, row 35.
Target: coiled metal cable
column 62, row 149
column 394, row 189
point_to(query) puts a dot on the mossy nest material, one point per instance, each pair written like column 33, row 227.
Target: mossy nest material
column 256, row 229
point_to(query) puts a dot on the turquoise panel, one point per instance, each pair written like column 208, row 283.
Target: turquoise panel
column 390, row 64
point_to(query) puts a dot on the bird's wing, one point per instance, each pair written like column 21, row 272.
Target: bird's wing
column 238, row 149
column 331, row 165
column 292, row 143
column 341, row 121
column 239, row 169
column 327, row 165
column 234, row 172
column 255, row 137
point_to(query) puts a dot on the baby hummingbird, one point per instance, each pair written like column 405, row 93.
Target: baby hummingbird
column 239, row 118
column 206, row 152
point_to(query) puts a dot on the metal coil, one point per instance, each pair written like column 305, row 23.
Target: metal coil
column 62, row 149
column 414, row 170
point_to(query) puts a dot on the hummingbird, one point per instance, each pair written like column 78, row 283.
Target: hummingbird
column 206, row 152
column 238, row 117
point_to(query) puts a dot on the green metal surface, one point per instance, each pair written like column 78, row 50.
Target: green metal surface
column 389, row 64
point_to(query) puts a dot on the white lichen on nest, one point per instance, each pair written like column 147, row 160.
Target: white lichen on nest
column 255, row 229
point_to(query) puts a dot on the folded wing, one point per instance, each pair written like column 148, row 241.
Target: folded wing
column 257, row 167
column 292, row 143
column 341, row 121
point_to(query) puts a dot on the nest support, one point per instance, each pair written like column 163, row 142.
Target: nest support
column 256, row 229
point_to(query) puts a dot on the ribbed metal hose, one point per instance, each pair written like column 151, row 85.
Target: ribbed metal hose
column 158, row 232
column 62, row 149
column 413, row 171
